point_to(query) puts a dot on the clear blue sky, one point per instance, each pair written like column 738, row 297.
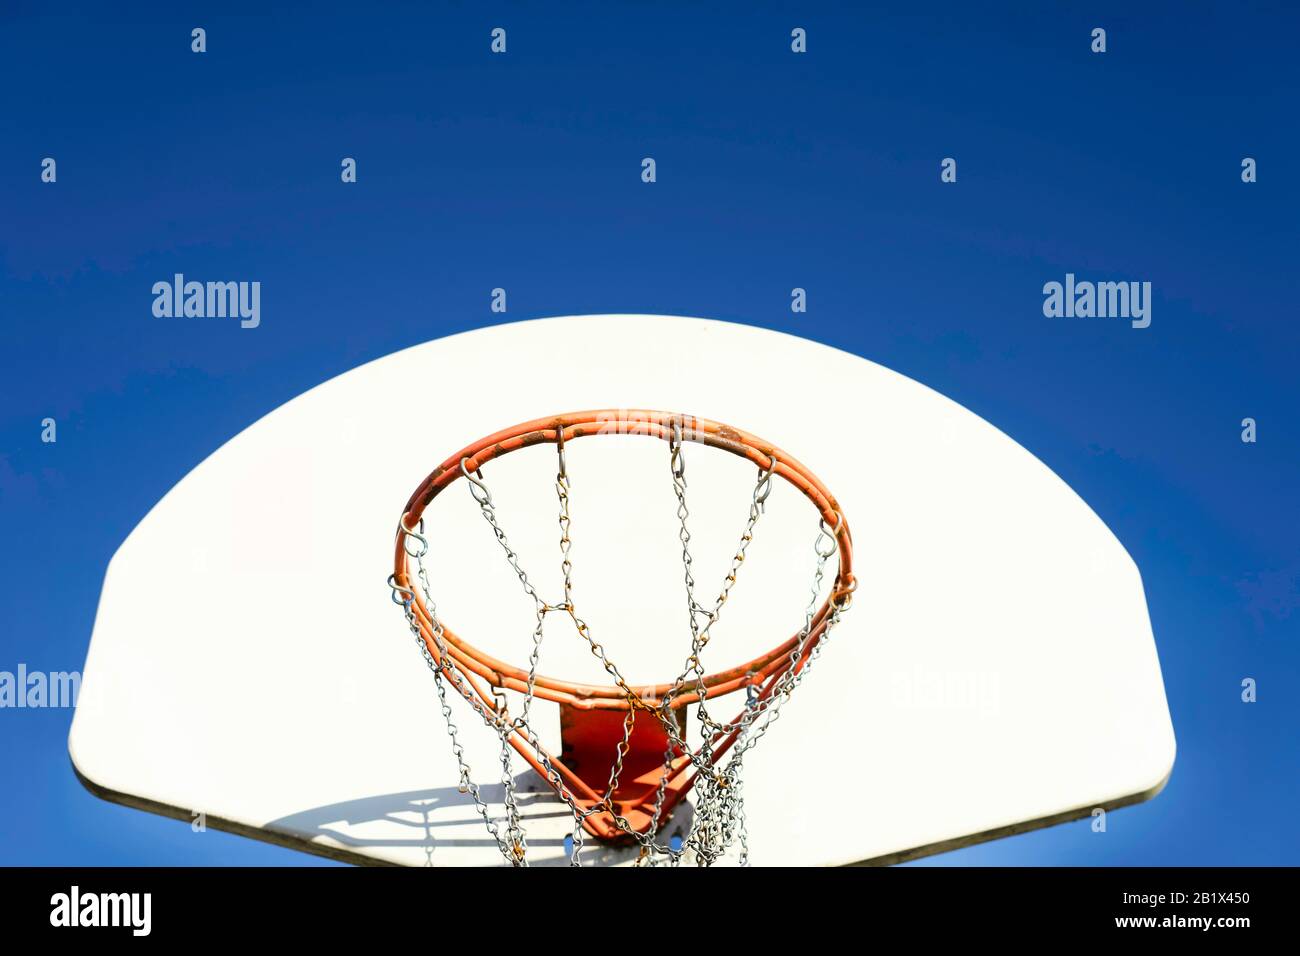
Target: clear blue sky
column 774, row 171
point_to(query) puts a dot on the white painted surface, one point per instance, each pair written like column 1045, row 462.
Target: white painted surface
column 997, row 667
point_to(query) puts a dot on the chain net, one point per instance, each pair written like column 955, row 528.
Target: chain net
column 717, row 826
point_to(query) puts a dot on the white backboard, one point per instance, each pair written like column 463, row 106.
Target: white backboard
column 996, row 673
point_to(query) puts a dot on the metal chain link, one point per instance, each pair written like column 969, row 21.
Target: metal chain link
column 719, row 819
column 492, row 718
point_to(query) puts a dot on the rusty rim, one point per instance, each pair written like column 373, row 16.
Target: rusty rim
column 653, row 424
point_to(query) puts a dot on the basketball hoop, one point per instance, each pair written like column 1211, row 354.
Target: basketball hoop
column 625, row 762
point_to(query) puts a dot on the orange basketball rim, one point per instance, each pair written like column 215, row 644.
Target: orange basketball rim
column 593, row 716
